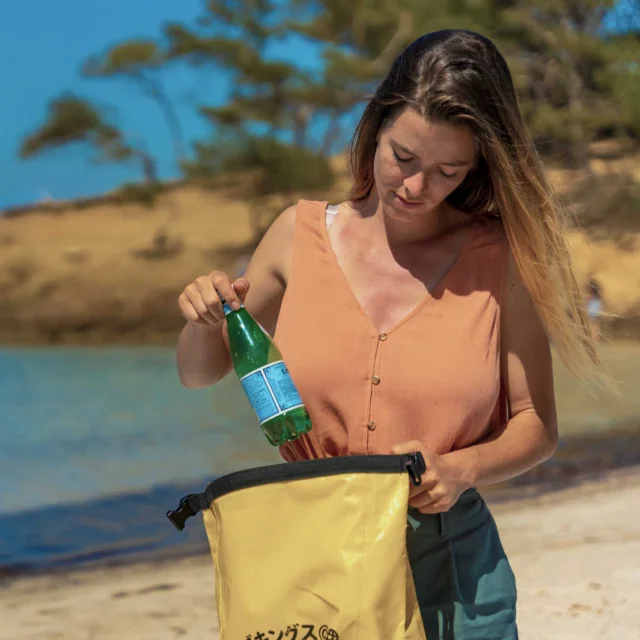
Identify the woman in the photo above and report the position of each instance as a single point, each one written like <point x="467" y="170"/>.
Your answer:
<point x="594" y="307"/>
<point x="417" y="315"/>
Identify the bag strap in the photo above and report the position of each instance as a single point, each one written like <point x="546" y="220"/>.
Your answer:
<point x="331" y="213"/>
<point x="190" y="505"/>
<point x="193" y="503"/>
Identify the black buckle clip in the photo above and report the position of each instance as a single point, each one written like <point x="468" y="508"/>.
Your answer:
<point x="416" y="467"/>
<point x="180" y="515"/>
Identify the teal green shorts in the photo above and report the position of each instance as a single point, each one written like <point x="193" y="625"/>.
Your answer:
<point x="464" y="583"/>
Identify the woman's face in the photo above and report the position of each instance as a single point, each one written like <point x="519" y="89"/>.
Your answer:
<point x="418" y="163"/>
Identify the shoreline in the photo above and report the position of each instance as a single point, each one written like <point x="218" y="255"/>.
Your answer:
<point x="91" y="337"/>
<point x="575" y="553"/>
<point x="550" y="480"/>
<point x="110" y="336"/>
<point x="121" y="518"/>
<point x="163" y="331"/>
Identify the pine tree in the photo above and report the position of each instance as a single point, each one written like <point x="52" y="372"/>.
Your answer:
<point x="74" y="120"/>
<point x="142" y="62"/>
<point x="567" y="66"/>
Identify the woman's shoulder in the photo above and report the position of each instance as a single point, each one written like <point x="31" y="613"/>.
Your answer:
<point x="490" y="234"/>
<point x="278" y="239"/>
<point x="303" y="206"/>
<point x="284" y="223"/>
<point x="304" y="210"/>
<point x="310" y="207"/>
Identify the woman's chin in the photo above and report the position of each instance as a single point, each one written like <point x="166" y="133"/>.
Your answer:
<point x="404" y="212"/>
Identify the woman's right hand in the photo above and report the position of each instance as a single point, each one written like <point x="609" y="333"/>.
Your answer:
<point x="200" y="301"/>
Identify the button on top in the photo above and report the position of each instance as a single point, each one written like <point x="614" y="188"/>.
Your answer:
<point x="382" y="336"/>
<point x="375" y="379"/>
<point x="371" y="426"/>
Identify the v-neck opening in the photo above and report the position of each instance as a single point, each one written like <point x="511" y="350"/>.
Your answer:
<point x="428" y="295"/>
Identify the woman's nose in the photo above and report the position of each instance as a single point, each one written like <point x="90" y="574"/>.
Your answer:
<point x="415" y="185"/>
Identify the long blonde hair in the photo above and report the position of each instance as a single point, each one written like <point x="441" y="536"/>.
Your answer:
<point x="460" y="76"/>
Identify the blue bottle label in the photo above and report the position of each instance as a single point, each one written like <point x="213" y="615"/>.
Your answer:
<point x="271" y="391"/>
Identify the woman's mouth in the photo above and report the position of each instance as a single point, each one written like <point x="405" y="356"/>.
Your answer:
<point x="407" y="204"/>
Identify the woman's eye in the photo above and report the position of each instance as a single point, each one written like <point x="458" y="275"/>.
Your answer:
<point x="400" y="158"/>
<point x="449" y="176"/>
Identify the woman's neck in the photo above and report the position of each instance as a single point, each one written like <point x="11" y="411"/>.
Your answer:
<point x="425" y="228"/>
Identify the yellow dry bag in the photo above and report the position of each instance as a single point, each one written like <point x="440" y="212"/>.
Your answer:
<point x="312" y="550"/>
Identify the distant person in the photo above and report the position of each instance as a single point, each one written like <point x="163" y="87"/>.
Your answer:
<point x="418" y="314"/>
<point x="595" y="305"/>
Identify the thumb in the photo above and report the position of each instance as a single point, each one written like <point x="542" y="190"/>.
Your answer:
<point x="410" y="446"/>
<point x="241" y="287"/>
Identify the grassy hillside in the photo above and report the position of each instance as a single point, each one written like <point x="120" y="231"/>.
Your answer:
<point x="107" y="271"/>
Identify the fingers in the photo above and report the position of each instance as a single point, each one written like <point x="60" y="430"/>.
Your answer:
<point x="437" y="503"/>
<point x="205" y="314"/>
<point x="436" y="499"/>
<point x="428" y="491"/>
<point x="436" y="492"/>
<point x="430" y="477"/>
<point x="200" y="302"/>
<point x="188" y="310"/>
<point x="412" y="446"/>
<point x="407" y="447"/>
<point x="210" y="298"/>
<point x="427" y="502"/>
<point x="434" y="508"/>
<point x="224" y="288"/>
<point x="421" y="500"/>
<point x="241" y="287"/>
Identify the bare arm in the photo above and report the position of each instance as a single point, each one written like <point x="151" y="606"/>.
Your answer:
<point x="203" y="356"/>
<point x="531" y="434"/>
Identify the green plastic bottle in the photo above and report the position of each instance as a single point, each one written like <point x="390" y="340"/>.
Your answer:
<point x="266" y="381"/>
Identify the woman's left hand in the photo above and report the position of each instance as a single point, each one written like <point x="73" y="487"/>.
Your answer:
<point x="442" y="483"/>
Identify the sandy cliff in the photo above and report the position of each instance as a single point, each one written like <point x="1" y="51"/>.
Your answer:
<point x="93" y="273"/>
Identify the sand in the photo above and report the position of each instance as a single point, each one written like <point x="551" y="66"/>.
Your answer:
<point x="576" y="555"/>
<point x="92" y="274"/>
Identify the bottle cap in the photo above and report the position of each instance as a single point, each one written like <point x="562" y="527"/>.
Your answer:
<point x="225" y="306"/>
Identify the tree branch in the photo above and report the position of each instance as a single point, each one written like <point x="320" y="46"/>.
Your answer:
<point x="396" y="43"/>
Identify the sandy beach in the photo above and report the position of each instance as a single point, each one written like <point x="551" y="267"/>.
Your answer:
<point x="576" y="554"/>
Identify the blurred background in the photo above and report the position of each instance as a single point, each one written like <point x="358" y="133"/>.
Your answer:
<point x="143" y="144"/>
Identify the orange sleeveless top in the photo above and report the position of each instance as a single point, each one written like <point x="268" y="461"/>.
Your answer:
<point x="434" y="377"/>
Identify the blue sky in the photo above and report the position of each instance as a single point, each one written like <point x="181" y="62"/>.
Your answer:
<point x="42" y="45"/>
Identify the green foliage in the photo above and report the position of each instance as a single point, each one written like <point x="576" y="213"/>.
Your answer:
<point x="281" y="122"/>
<point x="608" y="206"/>
<point x="276" y="97"/>
<point x="131" y="57"/>
<point x="211" y="158"/>
<point x="144" y="194"/>
<point x="268" y="166"/>
<point x="282" y="168"/>
<point x="565" y="67"/>
<point x="623" y="79"/>
<point x="140" y="61"/>
<point x="71" y="119"/>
